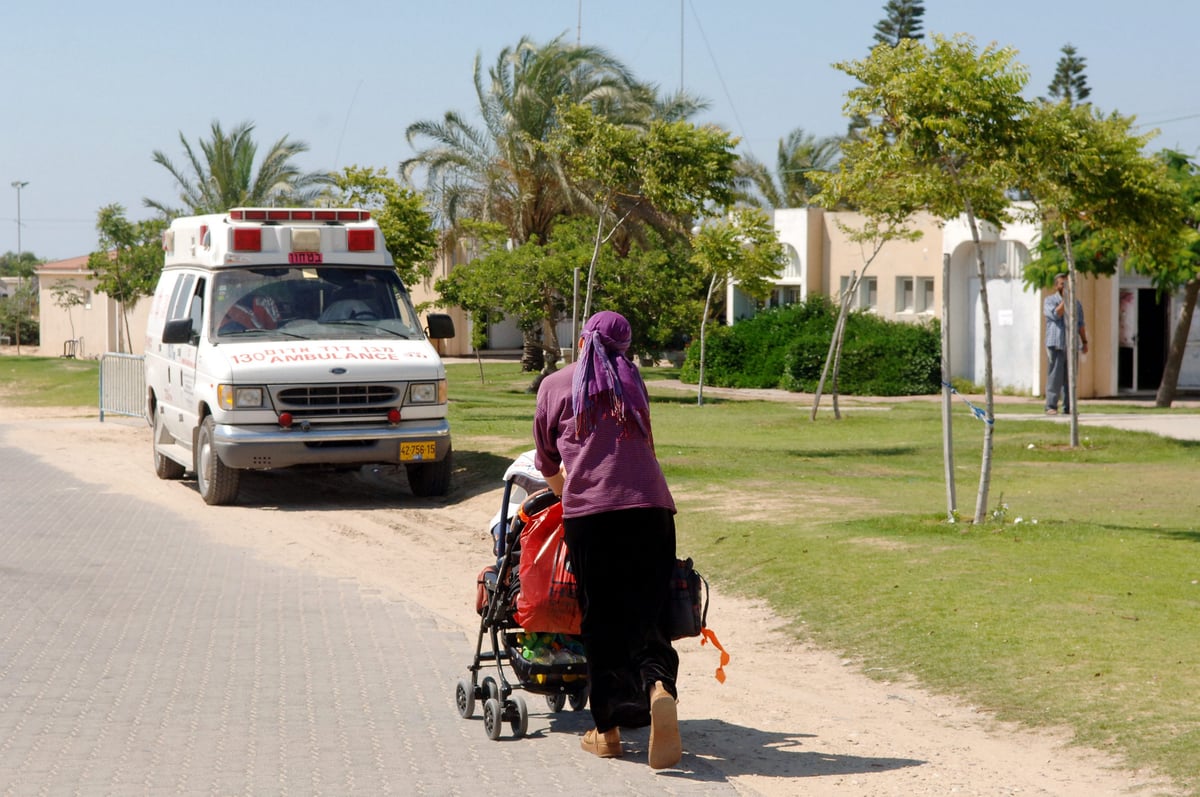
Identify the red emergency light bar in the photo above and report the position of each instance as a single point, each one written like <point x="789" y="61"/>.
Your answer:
<point x="247" y="239"/>
<point x="360" y="240"/>
<point x="298" y="214"/>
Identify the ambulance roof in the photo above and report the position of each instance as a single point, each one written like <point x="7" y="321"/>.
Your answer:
<point x="274" y="236"/>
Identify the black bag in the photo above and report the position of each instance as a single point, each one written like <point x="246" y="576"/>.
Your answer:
<point x="687" y="606"/>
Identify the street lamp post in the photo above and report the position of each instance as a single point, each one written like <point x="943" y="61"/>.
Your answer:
<point x="19" y="184"/>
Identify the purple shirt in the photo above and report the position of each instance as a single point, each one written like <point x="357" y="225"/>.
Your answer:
<point x="605" y="470"/>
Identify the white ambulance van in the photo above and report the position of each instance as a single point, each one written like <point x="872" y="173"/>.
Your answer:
<point x="283" y="337"/>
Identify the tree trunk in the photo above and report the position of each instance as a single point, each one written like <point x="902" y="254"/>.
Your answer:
<point x="985" y="468"/>
<point x="550" y="348"/>
<point x="531" y="352"/>
<point x="1071" y="322"/>
<point x="835" y="344"/>
<point x="703" y="325"/>
<point x="1179" y="337"/>
<point x="947" y="417"/>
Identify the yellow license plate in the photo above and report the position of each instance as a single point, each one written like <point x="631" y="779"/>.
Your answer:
<point x="413" y="452"/>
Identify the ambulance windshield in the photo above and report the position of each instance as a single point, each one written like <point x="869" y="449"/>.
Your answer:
<point x="312" y="302"/>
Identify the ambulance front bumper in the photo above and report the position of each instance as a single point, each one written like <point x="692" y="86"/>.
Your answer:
<point x="265" y="447"/>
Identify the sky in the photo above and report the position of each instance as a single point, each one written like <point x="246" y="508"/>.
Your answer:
<point x="90" y="90"/>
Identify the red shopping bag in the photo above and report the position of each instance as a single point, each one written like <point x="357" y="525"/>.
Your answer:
<point x="547" y="599"/>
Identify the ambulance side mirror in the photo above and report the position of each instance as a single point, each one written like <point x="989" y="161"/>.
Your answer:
<point x="439" y="325"/>
<point x="178" y="331"/>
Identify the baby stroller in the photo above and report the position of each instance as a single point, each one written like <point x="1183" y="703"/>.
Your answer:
<point x="549" y="664"/>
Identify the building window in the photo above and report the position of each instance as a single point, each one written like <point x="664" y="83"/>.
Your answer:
<point x="904" y="295"/>
<point x="925" y="300"/>
<point x="792" y="296"/>
<point x="868" y="293"/>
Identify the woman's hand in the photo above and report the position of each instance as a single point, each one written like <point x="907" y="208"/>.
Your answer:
<point x="556" y="482"/>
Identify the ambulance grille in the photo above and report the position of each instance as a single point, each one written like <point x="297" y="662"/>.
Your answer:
<point x="333" y="400"/>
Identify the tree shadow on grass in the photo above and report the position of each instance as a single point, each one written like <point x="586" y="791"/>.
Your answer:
<point x="834" y="453"/>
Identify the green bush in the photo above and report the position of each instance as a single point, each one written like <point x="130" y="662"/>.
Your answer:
<point x="786" y="347"/>
<point x="751" y="353"/>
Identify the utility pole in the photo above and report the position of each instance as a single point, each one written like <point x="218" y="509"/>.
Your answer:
<point x="19" y="184"/>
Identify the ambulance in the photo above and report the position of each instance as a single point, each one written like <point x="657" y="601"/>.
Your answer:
<point x="283" y="338"/>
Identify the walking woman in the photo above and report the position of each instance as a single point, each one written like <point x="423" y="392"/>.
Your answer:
<point x="596" y="450"/>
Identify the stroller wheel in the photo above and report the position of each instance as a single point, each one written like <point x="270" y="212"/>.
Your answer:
<point x="490" y="688"/>
<point x="464" y="698"/>
<point x="519" y="723"/>
<point x="492" y="718"/>
<point x="579" y="700"/>
<point x="556" y="701"/>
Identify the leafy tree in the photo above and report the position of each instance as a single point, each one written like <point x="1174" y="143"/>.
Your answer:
<point x="407" y="227"/>
<point x="68" y="295"/>
<point x="222" y="175"/>
<point x="129" y="259"/>
<point x="1070" y="82"/>
<point x="1177" y="265"/>
<point x="22" y="305"/>
<point x="23" y="266"/>
<point x="903" y="21"/>
<point x="666" y="175"/>
<point x="1086" y="170"/>
<point x="741" y="245"/>
<point x="531" y="284"/>
<point x="793" y="184"/>
<point x="501" y="172"/>
<point x="944" y="125"/>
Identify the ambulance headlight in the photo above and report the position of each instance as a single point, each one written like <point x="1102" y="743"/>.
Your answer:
<point x="233" y="397"/>
<point x="427" y="392"/>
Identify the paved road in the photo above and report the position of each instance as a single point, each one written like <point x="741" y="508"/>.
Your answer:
<point x="137" y="656"/>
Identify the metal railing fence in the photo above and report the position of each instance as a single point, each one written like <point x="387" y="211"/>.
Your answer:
<point x="122" y="385"/>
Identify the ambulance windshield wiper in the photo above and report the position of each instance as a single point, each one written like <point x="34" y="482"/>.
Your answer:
<point x="253" y="331"/>
<point x="368" y="325"/>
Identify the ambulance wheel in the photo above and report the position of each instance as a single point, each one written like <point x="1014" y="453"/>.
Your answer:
<point x="216" y="481"/>
<point x="430" y="478"/>
<point x="519" y="723"/>
<point x="579" y="700"/>
<point x="164" y="466"/>
<point x="464" y="698"/>
<point x="556" y="701"/>
<point x="491" y="718"/>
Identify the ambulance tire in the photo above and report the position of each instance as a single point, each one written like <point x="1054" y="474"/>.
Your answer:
<point x="430" y="479"/>
<point x="164" y="467"/>
<point x="216" y="481"/>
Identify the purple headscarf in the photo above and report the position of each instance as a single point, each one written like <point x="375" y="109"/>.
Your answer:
<point x="605" y="381"/>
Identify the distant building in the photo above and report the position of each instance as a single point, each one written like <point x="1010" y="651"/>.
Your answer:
<point x="93" y="328"/>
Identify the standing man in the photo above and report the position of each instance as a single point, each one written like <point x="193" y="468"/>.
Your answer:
<point x="1057" y="350"/>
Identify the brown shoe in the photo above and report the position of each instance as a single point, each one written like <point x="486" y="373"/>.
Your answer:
<point x="665" y="747"/>
<point x="605" y="745"/>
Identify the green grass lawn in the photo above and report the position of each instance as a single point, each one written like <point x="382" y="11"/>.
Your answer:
<point x="1076" y="604"/>
<point x="49" y="382"/>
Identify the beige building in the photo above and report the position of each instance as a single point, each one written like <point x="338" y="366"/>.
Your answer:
<point x="92" y="328"/>
<point x="904" y="282"/>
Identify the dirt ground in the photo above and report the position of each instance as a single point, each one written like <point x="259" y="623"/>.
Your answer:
<point x="798" y="720"/>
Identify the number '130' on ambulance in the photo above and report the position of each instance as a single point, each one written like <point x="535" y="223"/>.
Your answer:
<point x="283" y="337"/>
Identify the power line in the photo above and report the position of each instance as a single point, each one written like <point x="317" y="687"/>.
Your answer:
<point x="720" y="77"/>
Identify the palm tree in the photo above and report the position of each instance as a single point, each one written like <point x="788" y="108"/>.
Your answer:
<point x="225" y="177"/>
<point x="791" y="186"/>
<point x="502" y="171"/>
